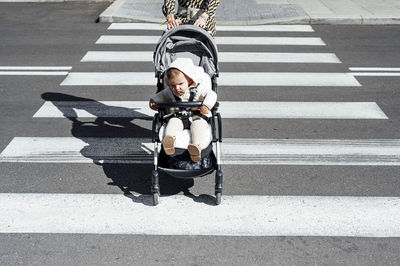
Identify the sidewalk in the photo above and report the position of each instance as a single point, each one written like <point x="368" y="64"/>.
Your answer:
<point x="253" y="12"/>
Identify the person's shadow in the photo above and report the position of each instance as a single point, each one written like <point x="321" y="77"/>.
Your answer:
<point x="110" y="139"/>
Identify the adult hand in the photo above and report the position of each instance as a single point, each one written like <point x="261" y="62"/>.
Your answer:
<point x="152" y="105"/>
<point x="172" y="22"/>
<point x="201" y="21"/>
<point x="204" y="110"/>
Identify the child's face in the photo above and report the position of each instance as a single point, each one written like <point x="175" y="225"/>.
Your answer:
<point x="178" y="84"/>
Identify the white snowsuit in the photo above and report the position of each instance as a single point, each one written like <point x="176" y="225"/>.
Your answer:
<point x="199" y="127"/>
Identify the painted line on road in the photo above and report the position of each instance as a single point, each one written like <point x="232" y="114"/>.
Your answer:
<point x="385" y="152"/>
<point x="375" y="69"/>
<point x="131" y="56"/>
<point x="258" y="28"/>
<point x="183" y="215"/>
<point x="117" y="56"/>
<point x="143" y="39"/>
<point x="74" y="150"/>
<point x="35" y="67"/>
<point x="226" y="79"/>
<point x="33" y="73"/>
<point x="376" y="74"/>
<point x="274" y="110"/>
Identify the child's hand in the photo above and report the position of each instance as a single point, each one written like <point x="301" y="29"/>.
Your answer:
<point x="152" y="105"/>
<point x="204" y="110"/>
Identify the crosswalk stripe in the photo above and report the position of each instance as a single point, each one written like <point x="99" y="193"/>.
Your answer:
<point x="117" y="56"/>
<point x="234" y="151"/>
<point x="395" y="69"/>
<point x="312" y="151"/>
<point x="259" y="28"/>
<point x="72" y="150"/>
<point x="142" y="39"/>
<point x="376" y="74"/>
<point x="35" y="67"/>
<point x="33" y="73"/>
<point x="181" y="215"/>
<point x="225" y="79"/>
<point x="291" y="110"/>
<point x="131" y="56"/>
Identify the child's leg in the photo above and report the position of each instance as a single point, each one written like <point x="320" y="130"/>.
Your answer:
<point x="200" y="138"/>
<point x="200" y="132"/>
<point x="174" y="125"/>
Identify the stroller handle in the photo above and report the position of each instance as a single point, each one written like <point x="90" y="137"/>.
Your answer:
<point x="191" y="23"/>
<point x="178" y="105"/>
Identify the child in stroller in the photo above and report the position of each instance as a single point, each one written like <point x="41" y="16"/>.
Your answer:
<point x="186" y="68"/>
<point x="187" y="82"/>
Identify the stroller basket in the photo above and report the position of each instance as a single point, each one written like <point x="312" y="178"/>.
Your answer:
<point x="190" y="174"/>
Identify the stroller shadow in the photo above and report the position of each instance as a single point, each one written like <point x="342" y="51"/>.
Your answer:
<point x="129" y="178"/>
<point x="202" y="198"/>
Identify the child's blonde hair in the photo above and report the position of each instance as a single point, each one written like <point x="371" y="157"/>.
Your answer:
<point x="171" y="73"/>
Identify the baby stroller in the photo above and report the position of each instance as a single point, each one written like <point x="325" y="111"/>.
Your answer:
<point x="186" y="41"/>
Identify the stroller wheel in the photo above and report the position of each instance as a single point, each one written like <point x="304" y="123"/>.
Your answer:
<point x="156" y="197"/>
<point x="218" y="196"/>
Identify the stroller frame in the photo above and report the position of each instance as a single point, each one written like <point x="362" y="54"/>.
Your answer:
<point x="158" y="121"/>
<point x="201" y="44"/>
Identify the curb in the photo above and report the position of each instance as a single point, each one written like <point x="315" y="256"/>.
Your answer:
<point x="108" y="16"/>
<point x="305" y="20"/>
<point x="108" y="13"/>
<point x="111" y="15"/>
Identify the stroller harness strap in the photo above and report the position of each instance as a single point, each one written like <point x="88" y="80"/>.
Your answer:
<point x="193" y="91"/>
<point x="186" y="119"/>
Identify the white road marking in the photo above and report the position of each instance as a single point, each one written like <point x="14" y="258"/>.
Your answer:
<point x="394" y="69"/>
<point x="35" y="67"/>
<point x="117" y="56"/>
<point x="312" y="151"/>
<point x="110" y="79"/>
<point x="290" y="110"/>
<point x="143" y="39"/>
<point x="59" y="109"/>
<point x="278" y="57"/>
<point x="297" y="79"/>
<point x="32" y="73"/>
<point x="376" y="74"/>
<point x="277" y="28"/>
<point x="234" y="151"/>
<point x="182" y="215"/>
<point x="127" y="39"/>
<point x="74" y="150"/>
<point x="302" y="110"/>
<point x="130" y="56"/>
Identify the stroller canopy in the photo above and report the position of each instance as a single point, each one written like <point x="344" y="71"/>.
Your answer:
<point x="186" y="41"/>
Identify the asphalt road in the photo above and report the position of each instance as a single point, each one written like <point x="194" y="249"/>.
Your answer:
<point x="61" y="34"/>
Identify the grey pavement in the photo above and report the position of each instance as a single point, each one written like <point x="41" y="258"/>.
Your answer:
<point x="254" y="12"/>
<point x="59" y="34"/>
